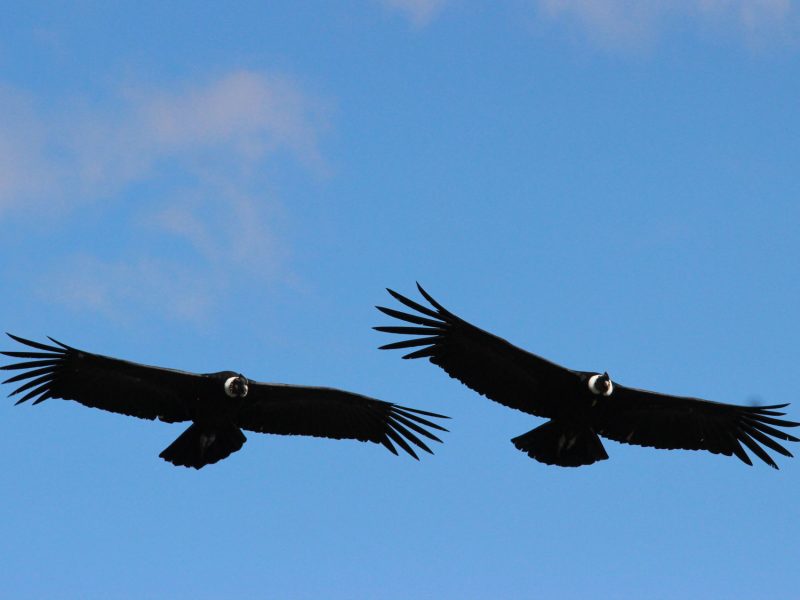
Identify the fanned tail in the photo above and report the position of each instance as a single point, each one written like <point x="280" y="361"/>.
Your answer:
<point x="562" y="444"/>
<point x="199" y="446"/>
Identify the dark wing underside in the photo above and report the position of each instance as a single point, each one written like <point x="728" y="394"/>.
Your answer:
<point x="484" y="362"/>
<point x="647" y="418"/>
<point x="119" y="386"/>
<point x="331" y="413"/>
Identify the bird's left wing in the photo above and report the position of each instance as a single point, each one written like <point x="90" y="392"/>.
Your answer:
<point x="120" y="386"/>
<point x="480" y="360"/>
<point x="331" y="413"/>
<point x="645" y="418"/>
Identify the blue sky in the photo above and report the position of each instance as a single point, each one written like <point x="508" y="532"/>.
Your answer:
<point x="611" y="184"/>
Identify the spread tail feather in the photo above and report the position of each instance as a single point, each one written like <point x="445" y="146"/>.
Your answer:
<point x="562" y="444"/>
<point x="199" y="446"/>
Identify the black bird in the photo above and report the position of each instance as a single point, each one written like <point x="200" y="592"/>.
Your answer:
<point x="219" y="405"/>
<point x="580" y="404"/>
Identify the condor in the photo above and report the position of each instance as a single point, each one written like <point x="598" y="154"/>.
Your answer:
<point x="219" y="405"/>
<point x="581" y="405"/>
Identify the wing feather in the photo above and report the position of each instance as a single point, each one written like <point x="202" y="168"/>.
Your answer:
<point x="327" y="412"/>
<point x="483" y="362"/>
<point x="645" y="418"/>
<point x="97" y="381"/>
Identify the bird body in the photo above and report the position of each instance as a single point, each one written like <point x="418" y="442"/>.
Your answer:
<point x="581" y="405"/>
<point x="219" y="405"/>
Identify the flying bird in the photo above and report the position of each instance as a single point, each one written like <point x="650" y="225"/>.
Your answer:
<point x="219" y="405"/>
<point x="580" y="405"/>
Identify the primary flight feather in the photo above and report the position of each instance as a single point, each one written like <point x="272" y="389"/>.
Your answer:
<point x="219" y="405"/>
<point x="581" y="405"/>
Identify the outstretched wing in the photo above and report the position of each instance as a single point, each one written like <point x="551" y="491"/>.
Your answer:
<point x="484" y="362"/>
<point x="331" y="413"/>
<point x="658" y="420"/>
<point x="119" y="386"/>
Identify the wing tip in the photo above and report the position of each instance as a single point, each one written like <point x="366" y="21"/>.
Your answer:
<point x="17" y="338"/>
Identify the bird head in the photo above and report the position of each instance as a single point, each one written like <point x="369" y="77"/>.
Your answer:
<point x="601" y="384"/>
<point x="236" y="386"/>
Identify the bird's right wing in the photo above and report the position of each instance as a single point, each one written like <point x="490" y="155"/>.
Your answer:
<point x="119" y="386"/>
<point x="645" y="418"/>
<point x="287" y="409"/>
<point x="483" y="362"/>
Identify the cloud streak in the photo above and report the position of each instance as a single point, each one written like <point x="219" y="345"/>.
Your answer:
<point x="630" y="22"/>
<point x="419" y="12"/>
<point x="244" y="111"/>
<point x="195" y="154"/>
<point x="120" y="289"/>
<point x="95" y="150"/>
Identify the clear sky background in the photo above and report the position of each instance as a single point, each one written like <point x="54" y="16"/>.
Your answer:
<point x="206" y="186"/>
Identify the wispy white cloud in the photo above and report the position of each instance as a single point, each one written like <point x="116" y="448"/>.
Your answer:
<point x="84" y="150"/>
<point x="214" y="246"/>
<point x="758" y="20"/>
<point x="419" y="12"/>
<point x="119" y="289"/>
<point x="632" y="22"/>
<point x="236" y="234"/>
<point x="248" y="112"/>
<point x="27" y="171"/>
<point x="204" y="147"/>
